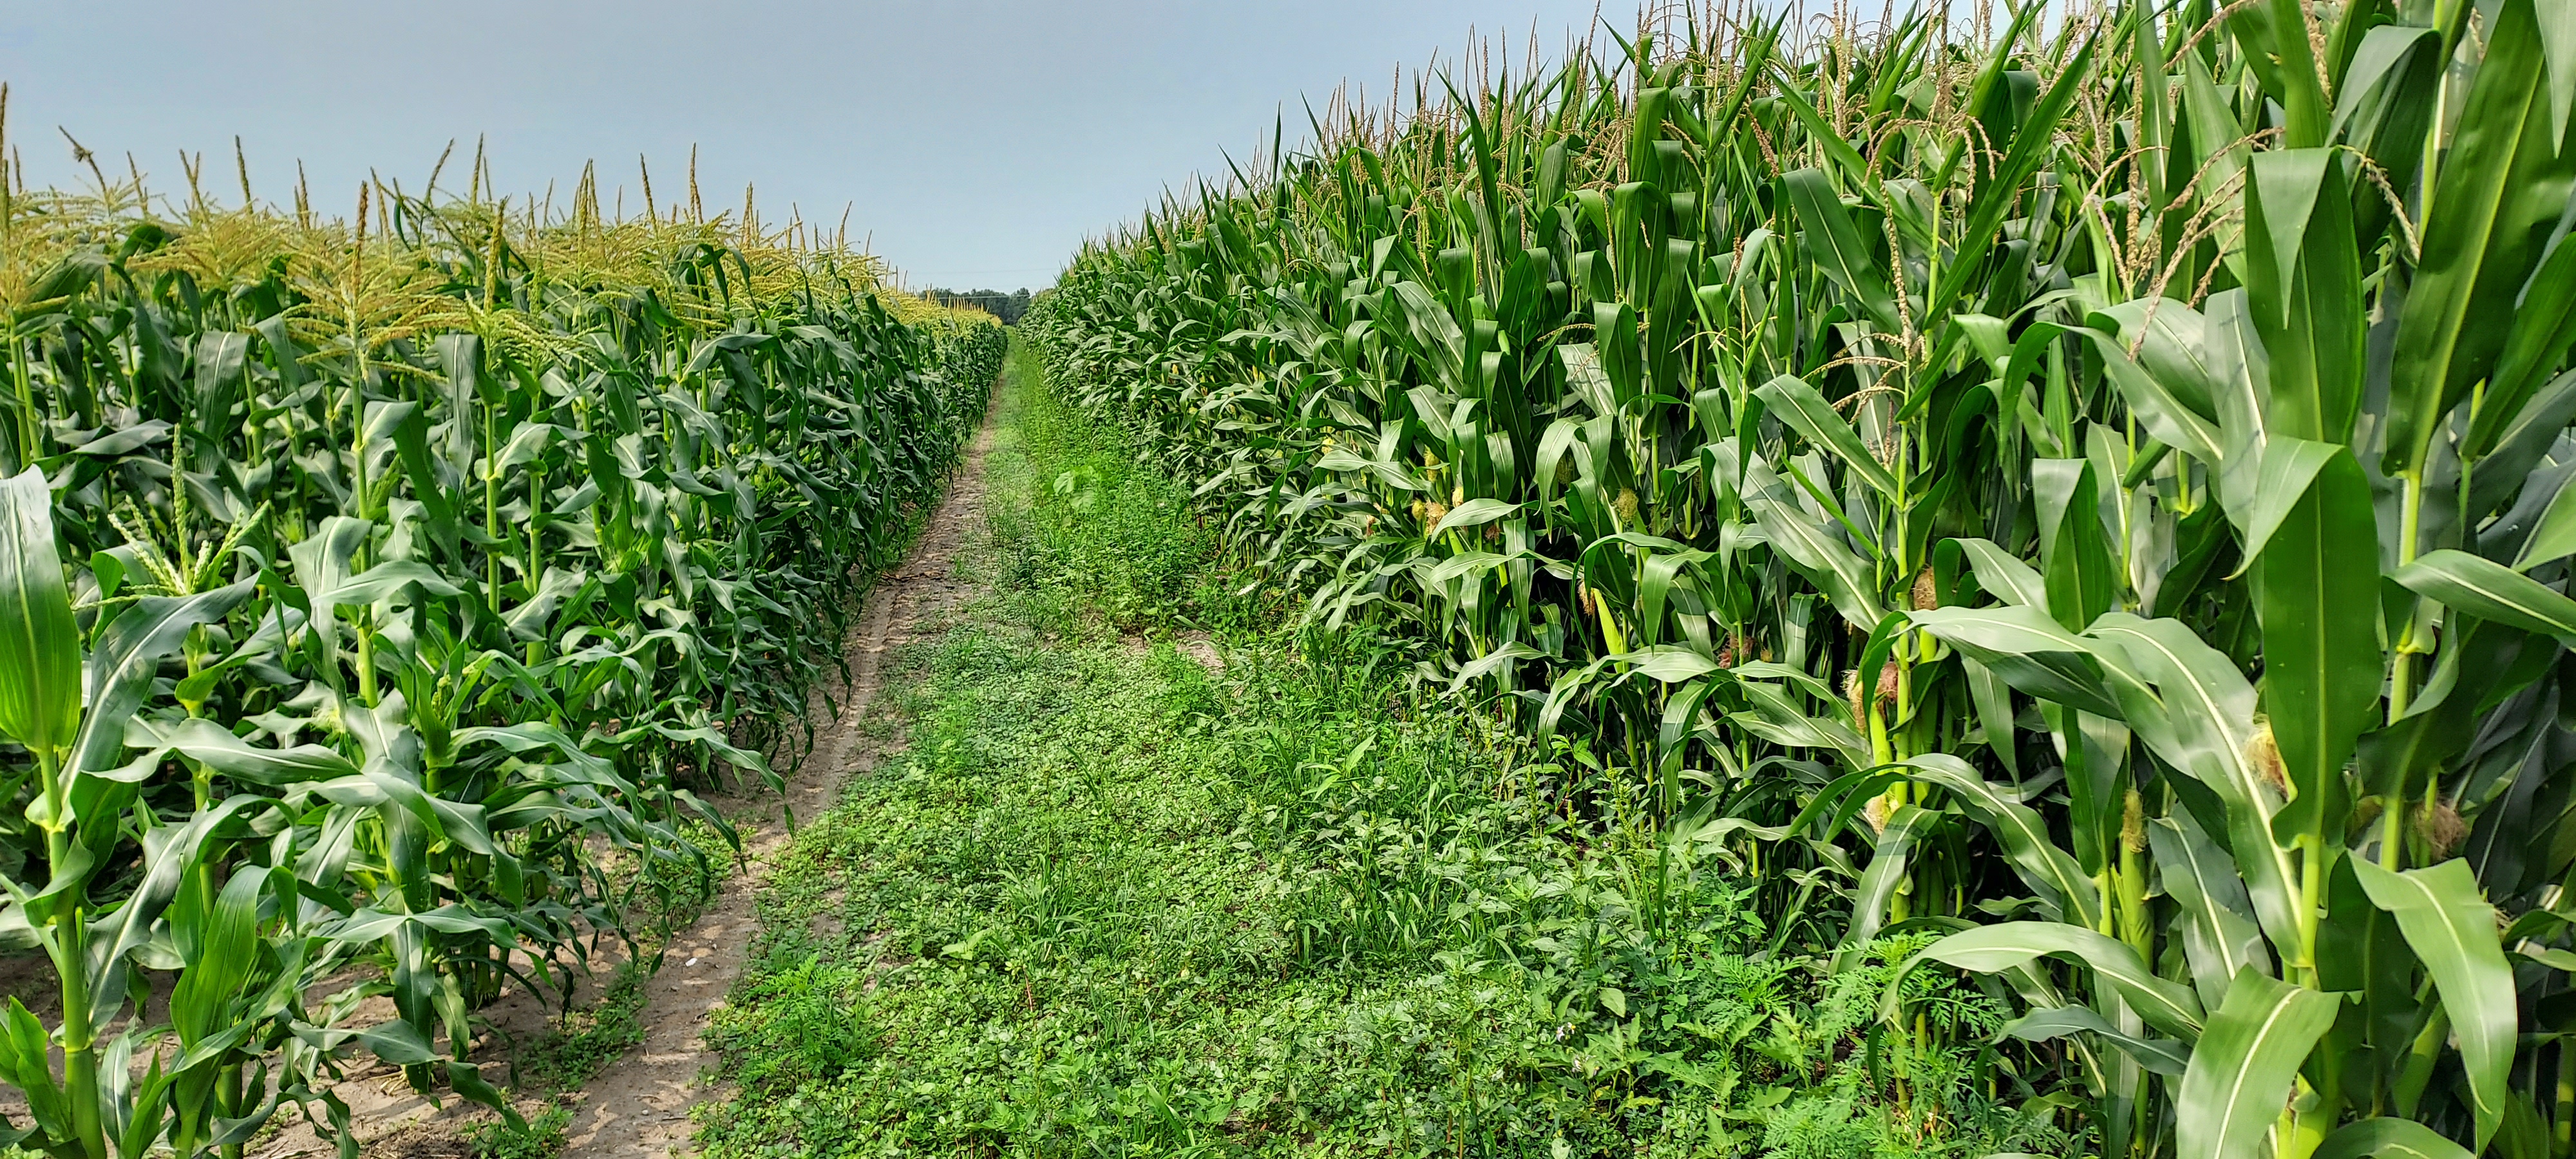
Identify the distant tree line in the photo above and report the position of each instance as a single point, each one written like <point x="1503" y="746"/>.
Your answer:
<point x="1006" y="306"/>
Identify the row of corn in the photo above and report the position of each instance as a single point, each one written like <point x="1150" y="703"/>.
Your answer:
<point x="2083" y="487"/>
<point x="375" y="595"/>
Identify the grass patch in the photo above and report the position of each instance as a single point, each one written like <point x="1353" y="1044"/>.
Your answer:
<point x="1113" y="901"/>
<point x="1086" y="537"/>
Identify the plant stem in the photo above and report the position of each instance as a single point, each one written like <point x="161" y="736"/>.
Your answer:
<point x="2392" y="830"/>
<point x="2410" y="520"/>
<point x="2312" y="884"/>
<point x="29" y="448"/>
<point x="492" y="516"/>
<point x="228" y="1099"/>
<point x="70" y="947"/>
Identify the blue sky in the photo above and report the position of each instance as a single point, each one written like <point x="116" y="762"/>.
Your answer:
<point x="974" y="143"/>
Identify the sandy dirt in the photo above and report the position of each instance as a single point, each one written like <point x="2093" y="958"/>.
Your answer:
<point x="639" y="1105"/>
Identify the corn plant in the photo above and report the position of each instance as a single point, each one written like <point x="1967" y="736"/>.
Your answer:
<point x="378" y="593"/>
<point x="2098" y="493"/>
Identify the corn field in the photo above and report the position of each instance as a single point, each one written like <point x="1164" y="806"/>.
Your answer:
<point x="376" y="594"/>
<point x="2087" y="487"/>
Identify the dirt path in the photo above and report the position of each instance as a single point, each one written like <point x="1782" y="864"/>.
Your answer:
<point x="639" y="1105"/>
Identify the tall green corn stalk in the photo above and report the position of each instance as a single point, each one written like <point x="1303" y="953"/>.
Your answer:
<point x="2099" y="494"/>
<point x="376" y="594"/>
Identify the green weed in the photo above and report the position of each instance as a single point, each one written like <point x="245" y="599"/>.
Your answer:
<point x="541" y="1138"/>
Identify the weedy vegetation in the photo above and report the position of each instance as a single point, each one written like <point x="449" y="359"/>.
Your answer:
<point x="376" y="595"/>
<point x="2072" y="500"/>
<point x="541" y="1137"/>
<point x="1115" y="900"/>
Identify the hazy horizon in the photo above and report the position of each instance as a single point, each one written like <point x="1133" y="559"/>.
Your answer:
<point x="972" y="145"/>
